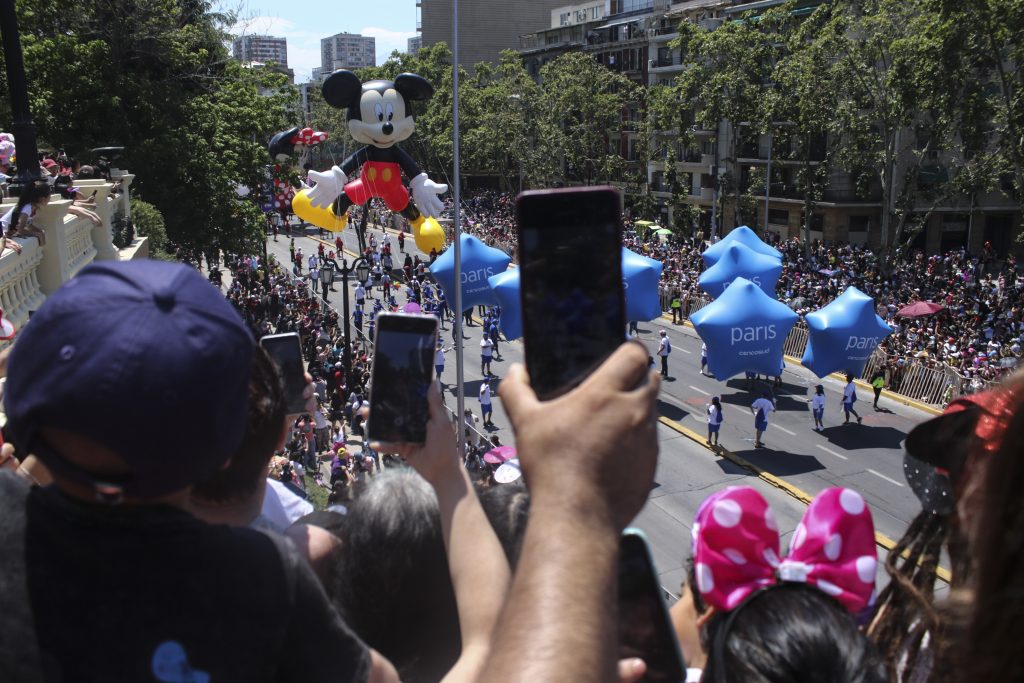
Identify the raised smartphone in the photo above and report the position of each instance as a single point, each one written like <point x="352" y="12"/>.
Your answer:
<point x="570" y="260"/>
<point x="645" y="630"/>
<point x="403" y="357"/>
<point x="286" y="352"/>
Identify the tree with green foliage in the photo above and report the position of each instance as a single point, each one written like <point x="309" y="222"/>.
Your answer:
<point x="583" y="101"/>
<point x="149" y="223"/>
<point x="726" y="80"/>
<point x="155" y="77"/>
<point x="505" y="131"/>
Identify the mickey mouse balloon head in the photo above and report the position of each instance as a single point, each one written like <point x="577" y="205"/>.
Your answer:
<point x="380" y="116"/>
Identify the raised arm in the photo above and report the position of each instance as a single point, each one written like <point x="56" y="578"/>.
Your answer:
<point x="560" y="620"/>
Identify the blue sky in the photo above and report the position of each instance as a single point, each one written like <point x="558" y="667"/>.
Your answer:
<point x="304" y="23"/>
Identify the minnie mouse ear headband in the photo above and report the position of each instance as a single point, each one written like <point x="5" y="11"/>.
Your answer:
<point x="736" y="548"/>
<point x="940" y="452"/>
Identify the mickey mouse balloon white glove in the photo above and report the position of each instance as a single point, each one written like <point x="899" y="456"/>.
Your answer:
<point x="424" y="193"/>
<point x="329" y="185"/>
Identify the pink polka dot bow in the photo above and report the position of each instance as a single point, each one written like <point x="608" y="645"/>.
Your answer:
<point x="736" y="547"/>
<point x="308" y="137"/>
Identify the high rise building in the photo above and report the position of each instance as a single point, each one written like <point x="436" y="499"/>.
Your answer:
<point x="413" y="45"/>
<point x="262" y="49"/>
<point x="347" y="51"/>
<point x="485" y="28"/>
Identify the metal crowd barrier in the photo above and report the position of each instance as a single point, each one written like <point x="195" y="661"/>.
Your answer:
<point x="932" y="384"/>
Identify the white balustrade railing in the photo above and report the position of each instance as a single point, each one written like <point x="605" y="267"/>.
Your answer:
<point x="72" y="242"/>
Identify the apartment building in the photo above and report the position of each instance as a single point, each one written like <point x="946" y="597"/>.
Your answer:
<point x="262" y="49"/>
<point x="485" y="28"/>
<point x="347" y="51"/>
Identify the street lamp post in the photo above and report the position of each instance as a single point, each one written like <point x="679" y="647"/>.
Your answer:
<point x="22" y="127"/>
<point x="361" y="267"/>
<point x="326" y="278"/>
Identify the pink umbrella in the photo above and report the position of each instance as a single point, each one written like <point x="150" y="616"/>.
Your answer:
<point x="412" y="307"/>
<point x="919" y="309"/>
<point x="498" y="455"/>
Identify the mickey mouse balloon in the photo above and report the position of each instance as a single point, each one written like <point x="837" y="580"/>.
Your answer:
<point x="843" y="334"/>
<point x="744" y="330"/>
<point x="379" y="115"/>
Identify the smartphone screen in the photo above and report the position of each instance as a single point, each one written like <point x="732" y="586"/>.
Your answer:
<point x="286" y="352"/>
<point x="403" y="358"/>
<point x="570" y="259"/>
<point x="645" y="630"/>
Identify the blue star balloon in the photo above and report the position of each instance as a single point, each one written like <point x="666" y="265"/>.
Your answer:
<point x="739" y="260"/>
<point x="640" y="276"/>
<point x="506" y="290"/>
<point x="843" y="334"/>
<point x="744" y="236"/>
<point x="479" y="262"/>
<point x="744" y="330"/>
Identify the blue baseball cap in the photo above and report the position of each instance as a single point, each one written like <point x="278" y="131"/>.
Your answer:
<point x="146" y="359"/>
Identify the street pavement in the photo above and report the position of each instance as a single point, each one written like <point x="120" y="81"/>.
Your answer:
<point x="866" y="457"/>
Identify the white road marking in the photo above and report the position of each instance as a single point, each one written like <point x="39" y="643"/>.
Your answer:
<point x="783" y="429"/>
<point x="882" y="476"/>
<point x="831" y="452"/>
<point x="698" y="389"/>
<point x="681" y="349"/>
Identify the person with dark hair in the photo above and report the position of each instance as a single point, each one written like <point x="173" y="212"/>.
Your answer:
<point x="992" y="606"/>
<point x="508" y="507"/>
<point x="17" y="222"/>
<point x="818" y="408"/>
<point x="877" y="384"/>
<point x="849" y="398"/>
<point x="769" y="620"/>
<point x="946" y="462"/>
<point x="715" y="419"/>
<point x="760" y="409"/>
<point x="241" y="494"/>
<point x="107" y="576"/>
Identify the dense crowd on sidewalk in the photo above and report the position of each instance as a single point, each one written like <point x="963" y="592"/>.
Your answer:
<point x="980" y="333"/>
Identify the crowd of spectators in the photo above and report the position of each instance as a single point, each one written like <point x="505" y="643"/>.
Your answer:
<point x="275" y="300"/>
<point x="979" y="333"/>
<point x="418" y="575"/>
<point x="58" y="174"/>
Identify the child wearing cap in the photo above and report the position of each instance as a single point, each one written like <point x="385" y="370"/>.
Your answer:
<point x="119" y="574"/>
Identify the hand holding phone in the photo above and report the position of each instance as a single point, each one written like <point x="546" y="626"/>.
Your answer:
<point x="286" y="352"/>
<point x="570" y="259"/>
<point x="645" y="630"/>
<point x="403" y="357"/>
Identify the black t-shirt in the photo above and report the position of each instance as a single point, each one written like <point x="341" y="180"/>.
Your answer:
<point x="153" y="594"/>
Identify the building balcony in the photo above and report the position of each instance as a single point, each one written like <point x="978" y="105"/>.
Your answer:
<point x="72" y="242"/>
